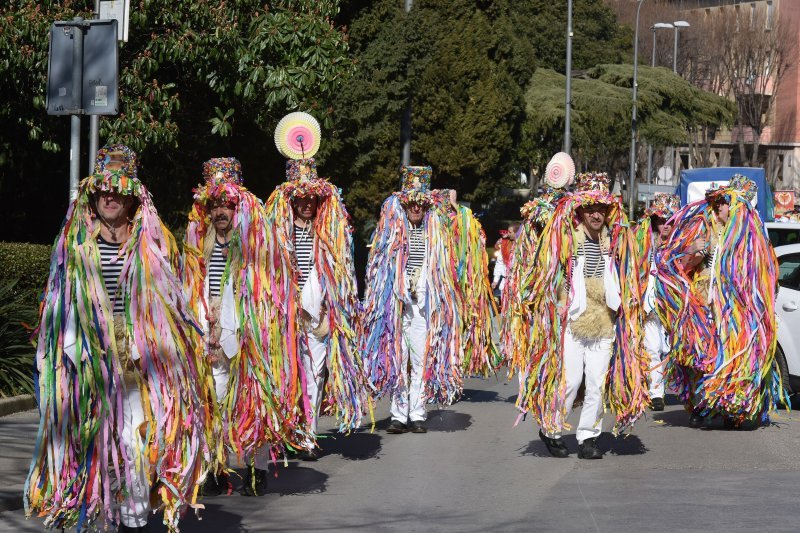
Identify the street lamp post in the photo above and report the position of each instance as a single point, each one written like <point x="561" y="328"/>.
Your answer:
<point x="677" y="24"/>
<point x="654" y="27"/>
<point x="568" y="107"/>
<point x="405" y="123"/>
<point x="632" y="173"/>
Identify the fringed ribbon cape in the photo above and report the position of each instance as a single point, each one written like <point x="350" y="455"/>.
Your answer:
<point x="722" y="320"/>
<point x="542" y="380"/>
<point x="381" y="331"/>
<point x="252" y="411"/>
<point x="480" y="354"/>
<point x="78" y="455"/>
<point x="345" y="395"/>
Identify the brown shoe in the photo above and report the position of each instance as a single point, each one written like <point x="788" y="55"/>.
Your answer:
<point x="396" y="427"/>
<point x="418" y="426"/>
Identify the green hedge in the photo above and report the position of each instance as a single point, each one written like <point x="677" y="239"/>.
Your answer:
<point x="28" y="264"/>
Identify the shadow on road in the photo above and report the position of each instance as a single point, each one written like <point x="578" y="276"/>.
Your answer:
<point x="447" y="420"/>
<point x="296" y="479"/>
<point x="356" y="446"/>
<point x="479" y="396"/>
<point x="213" y="518"/>
<point x="630" y="445"/>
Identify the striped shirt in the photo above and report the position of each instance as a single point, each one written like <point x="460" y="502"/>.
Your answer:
<point x="593" y="264"/>
<point x="304" y="252"/>
<point x="416" y="249"/>
<point x="216" y="267"/>
<point x="111" y="267"/>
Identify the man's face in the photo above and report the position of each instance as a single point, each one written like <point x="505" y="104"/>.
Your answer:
<point x="113" y="207"/>
<point x="222" y="216"/>
<point x="722" y="209"/>
<point x="415" y="213"/>
<point x="512" y="232"/>
<point x="593" y="216"/>
<point x="305" y="208"/>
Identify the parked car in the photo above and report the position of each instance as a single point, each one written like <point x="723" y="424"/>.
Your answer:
<point x="787" y="306"/>
<point x="783" y="233"/>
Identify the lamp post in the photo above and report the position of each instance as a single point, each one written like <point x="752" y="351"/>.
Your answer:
<point x="405" y="123"/>
<point x="654" y="27"/>
<point x="568" y="107"/>
<point x="677" y="25"/>
<point x="632" y="173"/>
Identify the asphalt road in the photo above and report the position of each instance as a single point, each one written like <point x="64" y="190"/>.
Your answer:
<point x="475" y="471"/>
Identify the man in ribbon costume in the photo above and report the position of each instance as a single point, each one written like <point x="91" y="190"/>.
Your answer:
<point x="225" y="275"/>
<point x="411" y="306"/>
<point x="716" y="286"/>
<point x="313" y="292"/>
<point x="468" y="242"/>
<point x="516" y="314"/>
<point x="651" y="233"/>
<point x="504" y="253"/>
<point x="586" y="313"/>
<point x="121" y="392"/>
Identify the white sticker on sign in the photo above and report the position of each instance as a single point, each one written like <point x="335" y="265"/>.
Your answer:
<point x="101" y="95"/>
<point x="62" y="91"/>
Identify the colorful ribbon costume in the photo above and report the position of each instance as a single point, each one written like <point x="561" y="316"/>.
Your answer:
<point x="336" y="296"/>
<point x="721" y="316"/>
<point x="468" y="241"/>
<point x="542" y="380"/>
<point x="82" y="357"/>
<point x="388" y="290"/>
<point x="252" y="408"/>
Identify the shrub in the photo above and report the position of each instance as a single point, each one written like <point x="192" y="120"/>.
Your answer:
<point x="16" y="351"/>
<point x="26" y="264"/>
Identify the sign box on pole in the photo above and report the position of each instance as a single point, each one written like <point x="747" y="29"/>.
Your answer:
<point x="118" y="10"/>
<point x="100" y="87"/>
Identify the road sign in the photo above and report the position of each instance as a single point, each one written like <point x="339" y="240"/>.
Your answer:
<point x="118" y="10"/>
<point x="92" y="88"/>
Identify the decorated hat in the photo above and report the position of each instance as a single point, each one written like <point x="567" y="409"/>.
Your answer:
<point x="120" y="154"/>
<point x="663" y="206"/>
<point x="223" y="181"/>
<point x="592" y="188"/>
<point x="540" y="209"/>
<point x="416" y="185"/>
<point x="560" y="171"/>
<point x="738" y="185"/>
<point x="298" y="137"/>
<point x="122" y="180"/>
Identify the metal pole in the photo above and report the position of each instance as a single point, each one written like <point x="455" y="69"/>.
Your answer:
<point x="75" y="118"/>
<point x="673" y="151"/>
<point x="94" y="120"/>
<point x="650" y="145"/>
<point x="568" y="106"/>
<point x="405" y="124"/>
<point x="632" y="173"/>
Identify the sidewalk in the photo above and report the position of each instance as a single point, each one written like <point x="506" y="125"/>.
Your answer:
<point x="17" y="439"/>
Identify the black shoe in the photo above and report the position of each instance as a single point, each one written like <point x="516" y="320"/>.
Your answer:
<point x="255" y="482"/>
<point x="658" y="404"/>
<point x="418" y="426"/>
<point x="556" y="447"/>
<point x="310" y="455"/>
<point x="214" y="486"/>
<point x="588" y="449"/>
<point x="396" y="427"/>
<point x="696" y="420"/>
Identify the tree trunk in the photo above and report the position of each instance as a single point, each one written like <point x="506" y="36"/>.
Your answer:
<point x="742" y="148"/>
<point x="756" y="144"/>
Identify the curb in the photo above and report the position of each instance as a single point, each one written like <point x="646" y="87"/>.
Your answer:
<point x="15" y="404"/>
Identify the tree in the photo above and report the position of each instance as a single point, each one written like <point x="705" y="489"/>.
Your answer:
<point x="668" y="108"/>
<point x="197" y="80"/>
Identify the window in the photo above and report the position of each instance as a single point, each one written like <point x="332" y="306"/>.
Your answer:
<point x="789" y="271"/>
<point x="783" y="236"/>
<point x="770" y="14"/>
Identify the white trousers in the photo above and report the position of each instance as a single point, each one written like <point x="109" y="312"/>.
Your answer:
<point x="589" y="358"/>
<point x="408" y="402"/>
<point x="135" y="506"/>
<point x="313" y="356"/>
<point x="654" y="346"/>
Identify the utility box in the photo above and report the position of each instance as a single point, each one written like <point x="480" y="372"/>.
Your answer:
<point x="96" y="92"/>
